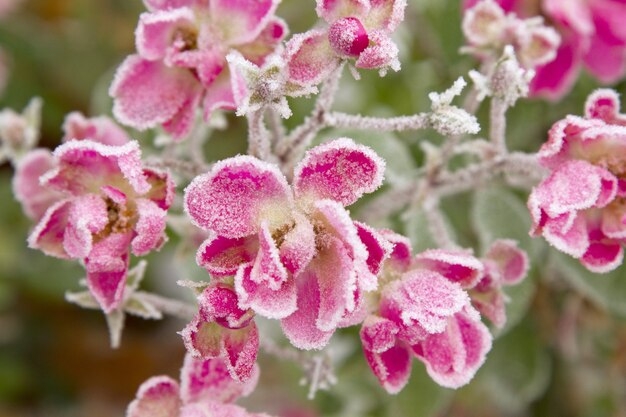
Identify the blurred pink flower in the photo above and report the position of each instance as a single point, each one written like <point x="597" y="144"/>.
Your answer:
<point x="580" y="207"/>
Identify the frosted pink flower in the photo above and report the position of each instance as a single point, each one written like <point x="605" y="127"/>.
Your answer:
<point x="358" y="29"/>
<point x="592" y="36"/>
<point x="181" y="59"/>
<point x="102" y="206"/>
<point x="99" y="129"/>
<point x="223" y="330"/>
<point x="505" y="265"/>
<point x="580" y="207"/>
<point x="423" y="312"/>
<point x="295" y="253"/>
<point x="206" y="390"/>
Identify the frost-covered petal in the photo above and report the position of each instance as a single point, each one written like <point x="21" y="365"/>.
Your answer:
<point x="606" y="62"/>
<point x="310" y="58"/>
<point x="240" y="348"/>
<point x="298" y="247"/>
<point x="87" y="216"/>
<point x="47" y="236"/>
<point x="170" y="4"/>
<point x="339" y="170"/>
<point x="484" y="23"/>
<point x="107" y="265"/>
<point x="453" y="357"/>
<point x="157" y="31"/>
<point x="99" y="129"/>
<point x="392" y="367"/>
<point x="237" y="195"/>
<point x="148" y="93"/>
<point x="210" y="408"/>
<point x="157" y="397"/>
<point x="219" y="95"/>
<point x="219" y="303"/>
<point x="209" y="379"/>
<point x="162" y="188"/>
<point x="34" y="198"/>
<point x="456" y="265"/>
<point x="604" y="104"/>
<point x="268" y="268"/>
<point x="150" y="227"/>
<point x="382" y="53"/>
<point x="273" y="304"/>
<point x="348" y="37"/>
<point x="240" y="21"/>
<point x="512" y="262"/>
<point x="603" y="257"/>
<point x="270" y="37"/>
<point x="378" y="334"/>
<point x="86" y="166"/>
<point x="332" y="10"/>
<point x="300" y="327"/>
<point x="378" y="247"/>
<point x="385" y="15"/>
<point x="203" y="339"/>
<point x="222" y="256"/>
<point x="568" y="233"/>
<point x="555" y="78"/>
<point x="401" y="252"/>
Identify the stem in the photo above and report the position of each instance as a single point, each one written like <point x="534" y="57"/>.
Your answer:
<point x="391" y="124"/>
<point x="188" y="169"/>
<point x="437" y="224"/>
<point x="497" y="124"/>
<point x="172" y="307"/>
<point x="258" y="137"/>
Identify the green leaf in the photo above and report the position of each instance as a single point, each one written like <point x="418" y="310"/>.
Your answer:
<point x="607" y="291"/>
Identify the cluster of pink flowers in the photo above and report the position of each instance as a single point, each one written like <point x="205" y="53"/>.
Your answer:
<point x="93" y="201"/>
<point x="592" y="36"/>
<point x="580" y="207"/>
<point x="205" y="390"/>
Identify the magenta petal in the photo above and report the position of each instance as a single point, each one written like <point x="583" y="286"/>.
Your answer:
<point x="240" y="350"/>
<point x="310" y="58"/>
<point x="555" y="78"/>
<point x="339" y="170"/>
<point x="219" y="95"/>
<point x="273" y="304"/>
<point x="378" y="248"/>
<point x="331" y="10"/>
<point x="86" y="166"/>
<point x="603" y="257"/>
<point x="605" y="61"/>
<point x="219" y="303"/>
<point x="381" y="53"/>
<point x="170" y="4"/>
<point x="99" y="129"/>
<point x="148" y="93"/>
<point x="87" y="216"/>
<point x="209" y="379"/>
<point x="266" y="43"/>
<point x="162" y="188"/>
<point x="378" y="334"/>
<point x="47" y="236"/>
<point x="392" y="367"/>
<point x="203" y="339"/>
<point x="35" y="198"/>
<point x="150" y="227"/>
<point x="157" y="397"/>
<point x="455" y="265"/>
<point x="511" y="261"/>
<point x="300" y="327"/>
<point x="181" y="123"/>
<point x="107" y="265"/>
<point x="267" y="268"/>
<point x="386" y="15"/>
<point x="298" y="247"/>
<point x="237" y="195"/>
<point x="222" y="256"/>
<point x="568" y="233"/>
<point x="157" y="31"/>
<point x="241" y="21"/>
<point x="604" y="104"/>
<point x="401" y="253"/>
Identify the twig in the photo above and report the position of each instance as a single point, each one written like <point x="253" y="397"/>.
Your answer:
<point x="170" y="306"/>
<point x="258" y="137"/>
<point x="391" y="124"/>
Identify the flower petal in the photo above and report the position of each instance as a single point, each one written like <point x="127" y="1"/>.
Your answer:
<point x="555" y="78"/>
<point x="99" y="129"/>
<point x="240" y="351"/>
<point x="603" y="257"/>
<point x="604" y="104"/>
<point x="381" y="53"/>
<point x="157" y="397"/>
<point x="162" y="188"/>
<point x="267" y="268"/>
<point x="148" y="93"/>
<point x="378" y="248"/>
<point x="222" y="256"/>
<point x="568" y="233"/>
<point x="35" y="198"/>
<point x="219" y="303"/>
<point x="310" y="58"/>
<point x="512" y="262"/>
<point x="273" y="304"/>
<point x="401" y="253"/>
<point x="47" y="236"/>
<point x="219" y="95"/>
<point x="392" y="367"/>
<point x="331" y="10"/>
<point x="87" y="216"/>
<point x="339" y="170"/>
<point x="385" y="15"/>
<point x="241" y="21"/>
<point x="157" y="31"/>
<point x="150" y="227"/>
<point x="378" y="334"/>
<point x="298" y="247"/>
<point x="456" y="265"/>
<point x="237" y="195"/>
<point x="267" y="41"/>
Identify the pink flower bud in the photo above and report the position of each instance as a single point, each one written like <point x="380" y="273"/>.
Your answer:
<point x="348" y="37"/>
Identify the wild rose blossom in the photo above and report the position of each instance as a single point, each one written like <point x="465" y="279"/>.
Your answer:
<point x="222" y="330"/>
<point x="422" y="311"/>
<point x="357" y="29"/>
<point x="592" y="36"/>
<point x="95" y="203"/>
<point x="180" y="63"/>
<point x="206" y="390"/>
<point x="580" y="207"/>
<point x="295" y="253"/>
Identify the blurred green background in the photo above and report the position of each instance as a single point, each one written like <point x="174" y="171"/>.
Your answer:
<point x="563" y="352"/>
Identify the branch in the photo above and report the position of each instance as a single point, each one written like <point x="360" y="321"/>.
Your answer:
<point x="171" y="307"/>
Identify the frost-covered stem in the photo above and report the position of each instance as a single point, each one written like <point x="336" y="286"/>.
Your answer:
<point x="318" y="368"/>
<point x="259" y="144"/>
<point x="497" y="124"/>
<point x="170" y="306"/>
<point x="437" y="224"/>
<point x="291" y="148"/>
<point x="196" y="143"/>
<point x="276" y="126"/>
<point x="391" y="124"/>
<point x="188" y="169"/>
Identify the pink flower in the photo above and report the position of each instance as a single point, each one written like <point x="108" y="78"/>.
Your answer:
<point x="223" y="330"/>
<point x="580" y="207"/>
<point x="424" y="312"/>
<point x="295" y="253"/>
<point x="101" y="205"/>
<point x="592" y="36"/>
<point x="99" y="129"/>
<point x="206" y="390"/>
<point x="358" y="29"/>
<point x="181" y="59"/>
<point x="505" y="264"/>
